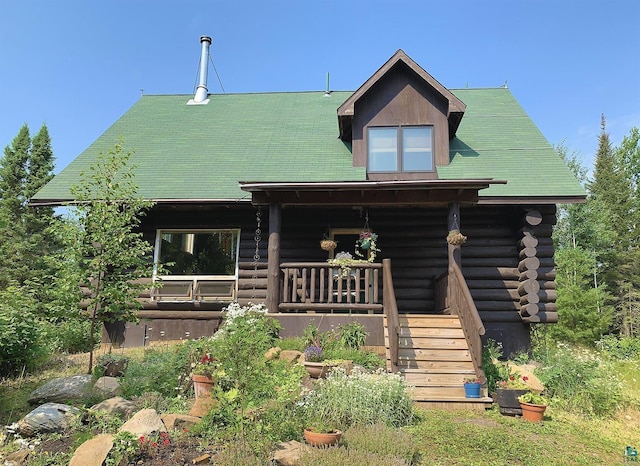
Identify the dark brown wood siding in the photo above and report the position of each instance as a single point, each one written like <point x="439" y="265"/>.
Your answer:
<point x="400" y="98"/>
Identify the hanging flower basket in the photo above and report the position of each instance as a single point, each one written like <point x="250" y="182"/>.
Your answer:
<point x="367" y="242"/>
<point x="456" y="238"/>
<point x="328" y="244"/>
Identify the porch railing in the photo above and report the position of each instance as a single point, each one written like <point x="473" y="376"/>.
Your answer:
<point x="320" y="286"/>
<point x="460" y="303"/>
<point x="391" y="313"/>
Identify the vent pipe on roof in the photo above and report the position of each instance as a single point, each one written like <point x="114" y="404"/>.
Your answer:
<point x="202" y="92"/>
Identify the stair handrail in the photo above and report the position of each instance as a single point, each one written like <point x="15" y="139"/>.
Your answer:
<point x="391" y="312"/>
<point x="469" y="317"/>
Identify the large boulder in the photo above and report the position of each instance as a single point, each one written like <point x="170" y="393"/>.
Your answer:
<point x="62" y="389"/>
<point x="93" y="452"/>
<point x="116" y="405"/>
<point x="144" y="422"/>
<point x="106" y="386"/>
<point x="289" y="453"/>
<point x="50" y="417"/>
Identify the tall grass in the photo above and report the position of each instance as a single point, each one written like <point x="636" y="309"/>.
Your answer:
<point x="581" y="381"/>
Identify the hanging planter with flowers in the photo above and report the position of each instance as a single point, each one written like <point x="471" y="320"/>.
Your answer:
<point x="327" y="244"/>
<point x="367" y="241"/>
<point x="455" y="238"/>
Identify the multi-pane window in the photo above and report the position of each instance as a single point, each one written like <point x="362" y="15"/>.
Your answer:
<point x="199" y="264"/>
<point x="400" y="149"/>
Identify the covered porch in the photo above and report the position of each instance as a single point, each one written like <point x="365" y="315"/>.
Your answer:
<point x="434" y="350"/>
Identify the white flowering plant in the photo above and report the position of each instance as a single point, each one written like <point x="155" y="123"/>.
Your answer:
<point x="362" y="398"/>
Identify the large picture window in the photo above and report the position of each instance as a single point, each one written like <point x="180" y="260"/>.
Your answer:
<point x="400" y="149"/>
<point x="199" y="264"/>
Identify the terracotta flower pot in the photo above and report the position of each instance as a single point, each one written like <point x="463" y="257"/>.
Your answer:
<point x="202" y="385"/>
<point x="318" y="370"/>
<point x="531" y="412"/>
<point x="322" y="439"/>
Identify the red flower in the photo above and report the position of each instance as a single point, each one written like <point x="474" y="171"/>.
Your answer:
<point x="166" y="441"/>
<point x="525" y="378"/>
<point x="154" y="444"/>
<point x="141" y="439"/>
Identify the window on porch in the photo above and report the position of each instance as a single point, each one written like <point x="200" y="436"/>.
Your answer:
<point x="201" y="265"/>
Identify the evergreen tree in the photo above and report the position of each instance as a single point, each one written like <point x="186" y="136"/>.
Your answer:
<point x="584" y="312"/>
<point x="25" y="240"/>
<point x="610" y="203"/>
<point x="14" y="266"/>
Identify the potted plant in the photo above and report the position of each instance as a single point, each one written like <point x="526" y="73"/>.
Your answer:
<point x="367" y="241"/>
<point x="314" y="362"/>
<point x="327" y="244"/>
<point x="202" y="375"/>
<point x="472" y="387"/>
<point x="113" y="365"/>
<point x="508" y="391"/>
<point x="319" y="437"/>
<point x="533" y="406"/>
<point x="455" y="238"/>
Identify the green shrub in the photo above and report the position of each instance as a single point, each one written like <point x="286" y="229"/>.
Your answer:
<point x="162" y="371"/>
<point x="352" y="335"/>
<point x="71" y="335"/>
<point x="22" y="338"/>
<point x="620" y="348"/>
<point x="580" y="381"/>
<point x="363" y="398"/>
<point x="494" y="370"/>
<point x="367" y="359"/>
<point x="292" y="343"/>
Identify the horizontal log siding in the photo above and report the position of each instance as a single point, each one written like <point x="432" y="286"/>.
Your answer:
<point x="497" y="256"/>
<point x="414" y="239"/>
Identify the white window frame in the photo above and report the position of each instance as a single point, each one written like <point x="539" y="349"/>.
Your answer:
<point x="193" y="283"/>
<point x="400" y="149"/>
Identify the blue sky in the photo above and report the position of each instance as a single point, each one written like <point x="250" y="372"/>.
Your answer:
<point x="78" y="65"/>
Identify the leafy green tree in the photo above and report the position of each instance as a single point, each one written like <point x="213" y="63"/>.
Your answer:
<point x="585" y="314"/>
<point x="108" y="244"/>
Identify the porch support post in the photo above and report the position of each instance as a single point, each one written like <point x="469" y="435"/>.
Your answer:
<point x="273" y="269"/>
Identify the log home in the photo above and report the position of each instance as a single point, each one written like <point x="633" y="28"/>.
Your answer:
<point x="246" y="185"/>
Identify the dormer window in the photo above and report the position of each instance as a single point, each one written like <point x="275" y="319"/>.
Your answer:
<point x="400" y="149"/>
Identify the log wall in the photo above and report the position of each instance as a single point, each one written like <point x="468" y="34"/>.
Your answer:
<point x="507" y="262"/>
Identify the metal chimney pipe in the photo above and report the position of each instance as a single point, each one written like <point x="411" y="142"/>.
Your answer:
<point x="202" y="92"/>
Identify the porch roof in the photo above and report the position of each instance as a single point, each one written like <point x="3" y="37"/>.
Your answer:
<point x="397" y="193"/>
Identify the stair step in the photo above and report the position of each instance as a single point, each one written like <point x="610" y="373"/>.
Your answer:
<point x="432" y="343"/>
<point x="457" y="399"/>
<point x="431" y="332"/>
<point x="439" y="392"/>
<point x="429" y="321"/>
<point x="435" y="379"/>
<point x="466" y="372"/>
<point x="434" y="355"/>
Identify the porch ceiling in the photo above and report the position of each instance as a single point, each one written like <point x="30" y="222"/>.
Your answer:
<point x="370" y="193"/>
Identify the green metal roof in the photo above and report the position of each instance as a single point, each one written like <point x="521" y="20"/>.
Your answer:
<point x="201" y="152"/>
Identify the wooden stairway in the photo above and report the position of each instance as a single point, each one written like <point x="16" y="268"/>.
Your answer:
<point x="434" y="358"/>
